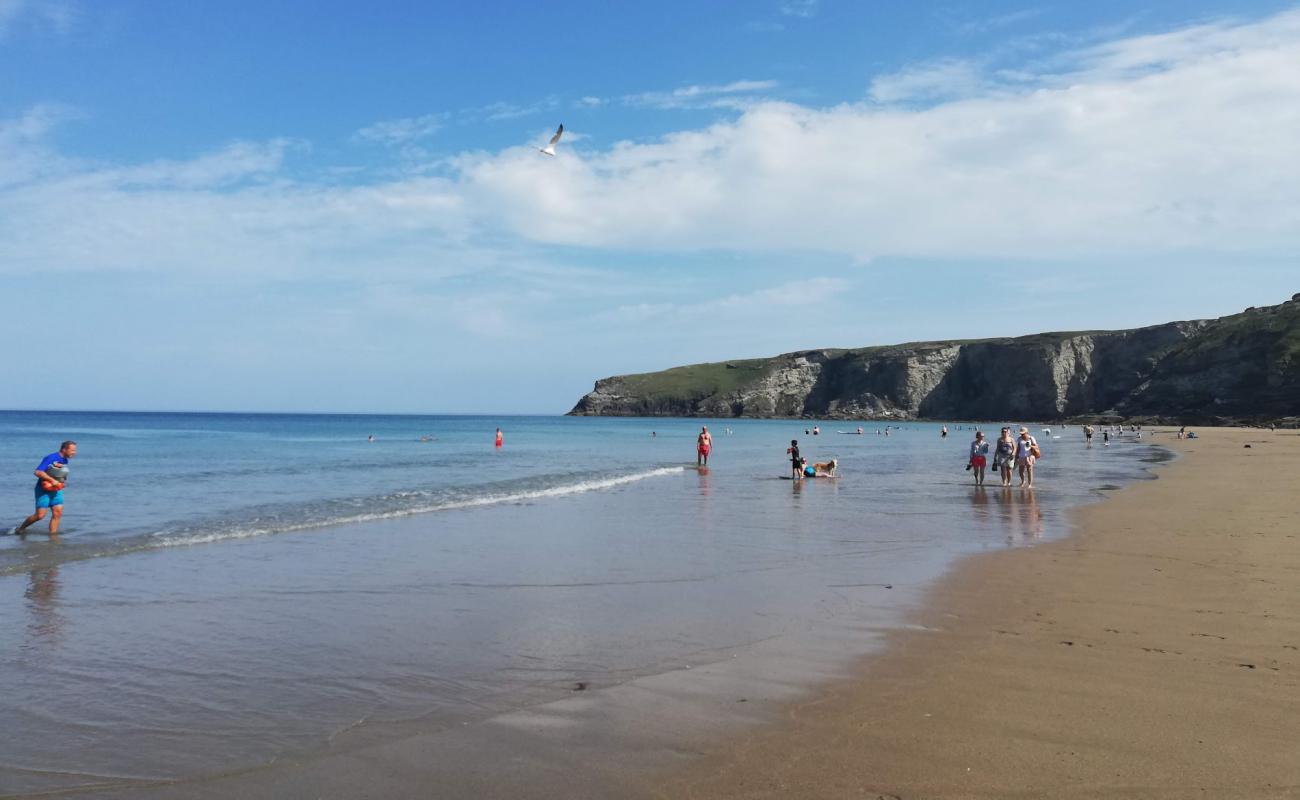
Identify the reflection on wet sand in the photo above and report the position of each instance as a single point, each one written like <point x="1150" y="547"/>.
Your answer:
<point x="1021" y="516"/>
<point x="42" y="595"/>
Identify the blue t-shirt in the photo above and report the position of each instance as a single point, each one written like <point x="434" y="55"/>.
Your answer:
<point x="49" y="461"/>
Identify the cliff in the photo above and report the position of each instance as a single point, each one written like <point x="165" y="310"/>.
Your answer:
<point x="1239" y="368"/>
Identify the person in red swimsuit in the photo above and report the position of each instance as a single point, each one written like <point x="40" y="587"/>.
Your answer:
<point x="703" y="444"/>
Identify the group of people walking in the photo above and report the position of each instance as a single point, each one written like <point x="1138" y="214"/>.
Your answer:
<point x="1019" y="453"/>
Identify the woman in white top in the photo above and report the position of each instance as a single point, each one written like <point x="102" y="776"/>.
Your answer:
<point x="979" y="451"/>
<point x="1025" y="458"/>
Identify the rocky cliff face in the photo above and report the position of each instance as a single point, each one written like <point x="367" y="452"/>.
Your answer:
<point x="1243" y="367"/>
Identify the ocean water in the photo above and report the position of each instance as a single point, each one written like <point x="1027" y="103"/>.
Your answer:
<point x="231" y="590"/>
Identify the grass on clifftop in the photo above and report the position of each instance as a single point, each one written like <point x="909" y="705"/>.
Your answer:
<point x="698" y="380"/>
<point x="1279" y="323"/>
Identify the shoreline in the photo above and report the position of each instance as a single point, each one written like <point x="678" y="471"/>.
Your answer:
<point x="1152" y="653"/>
<point x="617" y="739"/>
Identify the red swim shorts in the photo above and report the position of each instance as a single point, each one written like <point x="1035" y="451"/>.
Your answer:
<point x="978" y="461"/>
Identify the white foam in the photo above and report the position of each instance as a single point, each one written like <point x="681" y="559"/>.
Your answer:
<point x="165" y="540"/>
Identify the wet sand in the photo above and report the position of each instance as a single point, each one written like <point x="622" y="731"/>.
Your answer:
<point x="1153" y="654"/>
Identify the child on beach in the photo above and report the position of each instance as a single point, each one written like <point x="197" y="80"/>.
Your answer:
<point x="796" y="461"/>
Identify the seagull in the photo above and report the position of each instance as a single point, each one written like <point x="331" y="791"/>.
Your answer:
<point x="549" y="149"/>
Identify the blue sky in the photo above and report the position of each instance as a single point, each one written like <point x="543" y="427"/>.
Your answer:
<point x="284" y="206"/>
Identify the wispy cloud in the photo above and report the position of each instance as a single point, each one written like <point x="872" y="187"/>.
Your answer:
<point x="994" y="23"/>
<point x="936" y="80"/>
<point x="59" y="16"/>
<point x="1125" y="146"/>
<point x="503" y="110"/>
<point x="800" y="8"/>
<point x="724" y="95"/>
<point x="402" y="131"/>
<point x="1152" y="144"/>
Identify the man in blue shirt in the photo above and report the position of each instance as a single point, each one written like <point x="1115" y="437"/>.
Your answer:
<point x="49" y="488"/>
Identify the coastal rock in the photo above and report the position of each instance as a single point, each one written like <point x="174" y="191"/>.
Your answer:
<point x="1244" y="367"/>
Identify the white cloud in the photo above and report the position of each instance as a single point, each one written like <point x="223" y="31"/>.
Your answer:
<point x="1158" y="144"/>
<point x="1182" y="141"/>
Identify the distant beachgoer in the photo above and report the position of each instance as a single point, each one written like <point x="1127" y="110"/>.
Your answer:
<point x="816" y="431"/>
<point x="979" y="451"/>
<point x="1026" y="455"/>
<point x="51" y="477"/>
<point x="653" y="434"/>
<point x="943" y="432"/>
<point x="501" y="439"/>
<point x="370" y="438"/>
<point x="1004" y="455"/>
<point x="796" y="461"/>
<point x="703" y="444"/>
<point x="1087" y="433"/>
<point x="1105" y="436"/>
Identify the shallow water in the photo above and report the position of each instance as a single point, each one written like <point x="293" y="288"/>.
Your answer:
<point x="235" y="589"/>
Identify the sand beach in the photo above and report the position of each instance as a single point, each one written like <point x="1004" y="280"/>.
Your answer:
<point x="1153" y="654"/>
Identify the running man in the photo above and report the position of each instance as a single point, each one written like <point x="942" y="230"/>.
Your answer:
<point x="49" y="488"/>
<point x="703" y="444"/>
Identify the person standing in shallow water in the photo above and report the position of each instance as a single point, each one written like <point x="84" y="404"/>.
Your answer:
<point x="703" y="445"/>
<point x="1004" y="455"/>
<point x="501" y="438"/>
<point x="1025" y="458"/>
<point x="51" y="475"/>
<point x="796" y="461"/>
<point x="979" y="451"/>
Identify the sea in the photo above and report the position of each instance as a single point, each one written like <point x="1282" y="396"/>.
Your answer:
<point x="230" y="591"/>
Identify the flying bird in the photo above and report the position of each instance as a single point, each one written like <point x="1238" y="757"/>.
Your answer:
<point x="549" y="149"/>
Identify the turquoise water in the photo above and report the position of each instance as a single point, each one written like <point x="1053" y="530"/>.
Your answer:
<point x="233" y="589"/>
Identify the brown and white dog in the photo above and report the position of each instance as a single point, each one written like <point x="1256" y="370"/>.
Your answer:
<point x="826" y="468"/>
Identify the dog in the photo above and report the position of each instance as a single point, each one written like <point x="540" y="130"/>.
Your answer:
<point x="826" y="468"/>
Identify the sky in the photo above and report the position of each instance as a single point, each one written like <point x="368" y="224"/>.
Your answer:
<point x="340" y="207"/>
